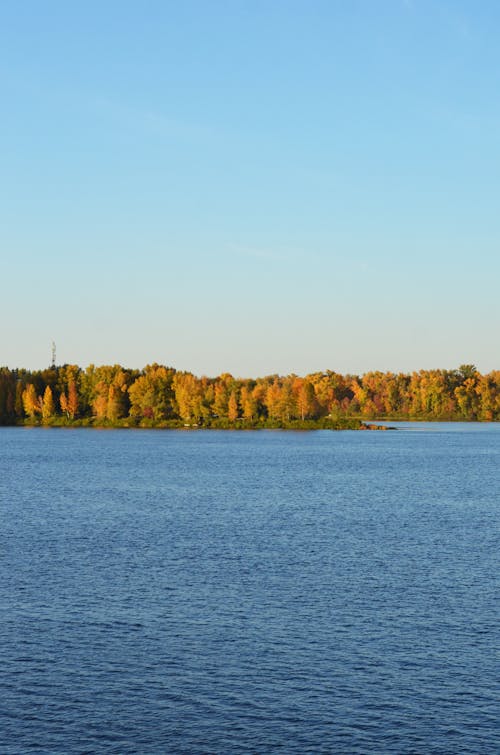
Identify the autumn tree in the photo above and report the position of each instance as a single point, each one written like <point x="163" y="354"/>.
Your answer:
<point x="48" y="406"/>
<point x="68" y="379"/>
<point x="467" y="398"/>
<point x="248" y="403"/>
<point x="273" y="399"/>
<point x="72" y="399"/>
<point x="189" y="395"/>
<point x="305" y="398"/>
<point x="287" y="404"/>
<point x="332" y="391"/>
<point x="31" y="402"/>
<point x="158" y="393"/>
<point x="151" y="394"/>
<point x="221" y="399"/>
<point x="114" y="404"/>
<point x="232" y="407"/>
<point x="100" y="399"/>
<point x="485" y="389"/>
<point x="259" y="393"/>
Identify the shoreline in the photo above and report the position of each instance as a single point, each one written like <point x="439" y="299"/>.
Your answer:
<point x="298" y="426"/>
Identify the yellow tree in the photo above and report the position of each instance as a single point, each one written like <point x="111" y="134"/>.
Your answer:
<point x="113" y="403"/>
<point x="100" y="401"/>
<point x="31" y="402"/>
<point x="232" y="407"/>
<point x="287" y="403"/>
<point x="489" y="396"/>
<point x="189" y="394"/>
<point x="69" y="377"/>
<point x="106" y="390"/>
<point x="221" y="399"/>
<point x="324" y="391"/>
<point x="359" y="395"/>
<point x="151" y="393"/>
<point x="375" y="385"/>
<point x="305" y="397"/>
<point x="273" y="399"/>
<point x="467" y="398"/>
<point x="248" y="403"/>
<point x="48" y="406"/>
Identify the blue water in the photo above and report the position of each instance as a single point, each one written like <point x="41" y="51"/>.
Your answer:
<point x="249" y="592"/>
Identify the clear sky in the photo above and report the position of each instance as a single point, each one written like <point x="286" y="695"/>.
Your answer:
<point x="250" y="186"/>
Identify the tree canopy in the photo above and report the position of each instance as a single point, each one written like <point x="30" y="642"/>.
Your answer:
<point x="162" y="396"/>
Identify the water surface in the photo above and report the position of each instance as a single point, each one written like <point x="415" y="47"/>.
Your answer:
<point x="249" y="592"/>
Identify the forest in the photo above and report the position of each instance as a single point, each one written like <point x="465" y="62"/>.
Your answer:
<point x="159" y="396"/>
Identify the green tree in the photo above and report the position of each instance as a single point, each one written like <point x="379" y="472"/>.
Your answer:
<point x="151" y="394"/>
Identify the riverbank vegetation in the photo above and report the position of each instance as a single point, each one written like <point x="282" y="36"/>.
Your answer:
<point x="159" y="396"/>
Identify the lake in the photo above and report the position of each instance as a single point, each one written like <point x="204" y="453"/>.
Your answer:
<point x="250" y="592"/>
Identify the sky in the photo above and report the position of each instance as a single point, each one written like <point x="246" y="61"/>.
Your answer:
<point x="253" y="187"/>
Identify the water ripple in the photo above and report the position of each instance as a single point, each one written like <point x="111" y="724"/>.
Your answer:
<point x="249" y="592"/>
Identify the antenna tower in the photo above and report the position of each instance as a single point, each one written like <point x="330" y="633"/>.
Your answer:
<point x="53" y="354"/>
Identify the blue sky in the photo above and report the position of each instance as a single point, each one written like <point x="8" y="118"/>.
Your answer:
<point x="251" y="187"/>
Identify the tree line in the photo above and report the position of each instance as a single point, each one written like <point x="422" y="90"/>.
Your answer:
<point x="159" y="396"/>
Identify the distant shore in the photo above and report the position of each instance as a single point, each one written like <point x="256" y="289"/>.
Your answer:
<point x="163" y="397"/>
